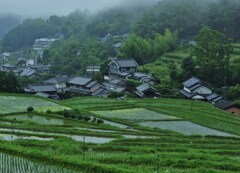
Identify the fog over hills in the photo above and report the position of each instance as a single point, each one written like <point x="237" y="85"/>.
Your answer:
<point x="36" y="8"/>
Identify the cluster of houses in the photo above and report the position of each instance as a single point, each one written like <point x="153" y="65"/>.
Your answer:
<point x="120" y="70"/>
<point x="195" y="89"/>
<point x="26" y="68"/>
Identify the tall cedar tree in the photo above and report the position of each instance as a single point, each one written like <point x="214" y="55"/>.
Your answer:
<point x="212" y="52"/>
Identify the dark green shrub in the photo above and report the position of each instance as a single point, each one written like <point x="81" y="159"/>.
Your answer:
<point x="79" y="117"/>
<point x="100" y="121"/>
<point x="30" y="109"/>
<point x="73" y="115"/>
<point x="86" y="118"/>
<point x="48" y="111"/>
<point x="66" y="113"/>
<point x="115" y="95"/>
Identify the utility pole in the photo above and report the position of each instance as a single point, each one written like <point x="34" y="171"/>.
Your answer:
<point x="225" y="87"/>
<point x="84" y="140"/>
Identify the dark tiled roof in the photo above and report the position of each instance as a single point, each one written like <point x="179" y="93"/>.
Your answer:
<point x="186" y="94"/>
<point x="80" y="91"/>
<point x="126" y="62"/>
<point x="80" y="81"/>
<point x="90" y="84"/>
<point x="212" y="97"/>
<point x="8" y="66"/>
<point x="56" y="80"/>
<point x="115" y="81"/>
<point x="28" y="72"/>
<point x="42" y="88"/>
<point x="143" y="87"/>
<point x="191" y="82"/>
<point x="195" y="87"/>
<point x="217" y="99"/>
<point x="223" y="104"/>
<point x="140" y="75"/>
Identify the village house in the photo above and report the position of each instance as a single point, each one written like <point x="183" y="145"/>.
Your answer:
<point x="29" y="73"/>
<point x="58" y="82"/>
<point x="121" y="68"/>
<point x="47" y="91"/>
<point x="115" y="85"/>
<point x="8" y="68"/>
<point x="83" y="85"/>
<point x="43" y="43"/>
<point x="195" y="89"/>
<point x="146" y="90"/>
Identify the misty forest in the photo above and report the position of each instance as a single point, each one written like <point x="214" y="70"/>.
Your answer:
<point x="147" y="87"/>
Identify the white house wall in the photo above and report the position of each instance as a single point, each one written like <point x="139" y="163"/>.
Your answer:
<point x="186" y="89"/>
<point x="198" y="97"/>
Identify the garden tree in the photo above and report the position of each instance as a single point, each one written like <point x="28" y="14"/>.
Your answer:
<point x="9" y="83"/>
<point x="188" y="68"/>
<point x="234" y="73"/>
<point x="233" y="92"/>
<point x="212" y="53"/>
<point x="224" y="17"/>
<point x="104" y="68"/>
<point x="132" y="84"/>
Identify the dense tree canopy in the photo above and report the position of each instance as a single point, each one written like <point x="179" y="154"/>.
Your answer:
<point x="71" y="57"/>
<point x="184" y="16"/>
<point x="224" y="16"/>
<point x="212" y="52"/>
<point x="147" y="50"/>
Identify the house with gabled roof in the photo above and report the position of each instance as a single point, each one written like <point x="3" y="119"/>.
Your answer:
<point x="58" y="82"/>
<point x="49" y="89"/>
<point x="29" y="73"/>
<point x="194" y="88"/>
<point x="121" y="68"/>
<point x="83" y="85"/>
<point x="8" y="67"/>
<point x="146" y="90"/>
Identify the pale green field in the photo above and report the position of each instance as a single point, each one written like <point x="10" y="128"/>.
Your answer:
<point x="11" y="104"/>
<point x="134" y="114"/>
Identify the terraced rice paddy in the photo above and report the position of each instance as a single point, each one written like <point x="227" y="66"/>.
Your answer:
<point x="12" y="164"/>
<point x="36" y="119"/>
<point x="9" y="137"/>
<point x="185" y="127"/>
<point x="134" y="114"/>
<point x="130" y="139"/>
<point x="10" y="104"/>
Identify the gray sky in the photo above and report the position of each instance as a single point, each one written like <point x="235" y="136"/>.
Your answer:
<point x="34" y="8"/>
